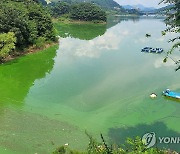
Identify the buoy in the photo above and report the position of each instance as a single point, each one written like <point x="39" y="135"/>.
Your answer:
<point x="153" y="95"/>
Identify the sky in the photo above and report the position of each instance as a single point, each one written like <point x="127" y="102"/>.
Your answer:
<point x="148" y="3"/>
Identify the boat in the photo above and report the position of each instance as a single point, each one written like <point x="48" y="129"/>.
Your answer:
<point x="152" y="50"/>
<point x="146" y="49"/>
<point x="159" y="50"/>
<point x="171" y="94"/>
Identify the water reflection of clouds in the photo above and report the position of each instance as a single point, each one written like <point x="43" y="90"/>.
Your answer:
<point x="170" y="63"/>
<point x="94" y="48"/>
<point x="150" y="40"/>
<point x="160" y="39"/>
<point x="141" y="40"/>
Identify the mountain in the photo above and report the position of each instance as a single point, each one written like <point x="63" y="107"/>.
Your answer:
<point x="107" y="4"/>
<point x="128" y="7"/>
<point x="162" y="9"/>
<point x="148" y="10"/>
<point x="139" y="7"/>
<point x="143" y="8"/>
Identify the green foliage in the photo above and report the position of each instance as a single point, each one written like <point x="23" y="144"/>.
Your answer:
<point x="133" y="11"/>
<point x="43" y="2"/>
<point x="39" y="43"/>
<point x="105" y="4"/>
<point x="173" y="25"/>
<point x="60" y="150"/>
<point x="27" y="19"/>
<point x="134" y="146"/>
<point x="87" y="12"/>
<point x="64" y="19"/>
<point x="59" y="9"/>
<point x="173" y="16"/>
<point x="7" y="44"/>
<point x="78" y="11"/>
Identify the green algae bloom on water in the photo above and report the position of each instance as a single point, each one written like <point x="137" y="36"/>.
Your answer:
<point x="97" y="81"/>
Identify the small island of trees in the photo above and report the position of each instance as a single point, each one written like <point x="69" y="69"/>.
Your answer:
<point x="78" y="11"/>
<point x="87" y="12"/>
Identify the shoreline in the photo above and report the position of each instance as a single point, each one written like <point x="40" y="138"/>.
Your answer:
<point x="27" y="51"/>
<point x="71" y="21"/>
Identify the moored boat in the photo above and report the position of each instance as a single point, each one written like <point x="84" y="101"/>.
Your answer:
<point x="152" y="50"/>
<point x="171" y="94"/>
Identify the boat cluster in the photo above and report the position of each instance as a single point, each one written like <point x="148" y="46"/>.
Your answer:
<point x="152" y="50"/>
<point x="168" y="93"/>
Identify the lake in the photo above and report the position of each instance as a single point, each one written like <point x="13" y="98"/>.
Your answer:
<point x="97" y="80"/>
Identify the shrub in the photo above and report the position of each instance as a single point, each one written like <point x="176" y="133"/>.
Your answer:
<point x="39" y="43"/>
<point x="134" y="146"/>
<point x="60" y="8"/>
<point x="7" y="44"/>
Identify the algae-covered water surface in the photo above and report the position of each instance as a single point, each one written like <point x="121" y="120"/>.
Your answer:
<point x="97" y="80"/>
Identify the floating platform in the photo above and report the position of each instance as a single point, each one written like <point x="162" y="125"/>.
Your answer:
<point x="152" y="50"/>
<point x="171" y="94"/>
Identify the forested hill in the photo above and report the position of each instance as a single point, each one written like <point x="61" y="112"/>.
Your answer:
<point x="108" y="4"/>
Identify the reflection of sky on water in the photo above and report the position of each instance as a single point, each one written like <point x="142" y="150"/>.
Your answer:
<point x="93" y="48"/>
<point x="105" y="82"/>
<point x="98" y="85"/>
<point x="122" y="38"/>
<point x="158" y="62"/>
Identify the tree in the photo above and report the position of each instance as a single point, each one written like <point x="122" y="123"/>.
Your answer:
<point x="27" y="19"/>
<point x="7" y="44"/>
<point x="43" y="2"/>
<point x="173" y="26"/>
<point x="87" y="12"/>
<point x="60" y="8"/>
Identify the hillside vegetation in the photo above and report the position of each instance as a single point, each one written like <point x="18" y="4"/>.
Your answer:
<point x="78" y="11"/>
<point x="110" y="6"/>
<point x="24" y="23"/>
<point x="105" y="4"/>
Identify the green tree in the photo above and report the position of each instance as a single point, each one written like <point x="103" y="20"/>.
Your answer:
<point x="7" y="44"/>
<point x="87" y="12"/>
<point x="105" y="4"/>
<point x="27" y="19"/>
<point x="173" y="25"/>
<point x="60" y="8"/>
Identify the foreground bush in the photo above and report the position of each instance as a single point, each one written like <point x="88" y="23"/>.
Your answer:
<point x="134" y="146"/>
<point x="7" y="44"/>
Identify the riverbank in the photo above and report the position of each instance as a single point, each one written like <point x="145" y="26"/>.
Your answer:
<point x="44" y="45"/>
<point x="67" y="20"/>
<point x="30" y="50"/>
